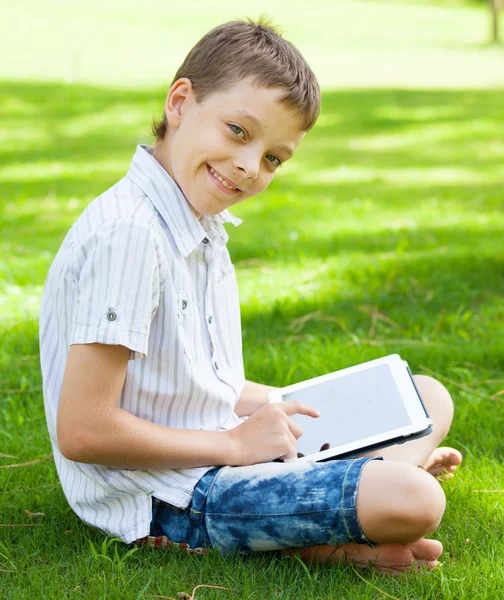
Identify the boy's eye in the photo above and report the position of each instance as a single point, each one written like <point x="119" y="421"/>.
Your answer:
<point x="274" y="160"/>
<point x="237" y="130"/>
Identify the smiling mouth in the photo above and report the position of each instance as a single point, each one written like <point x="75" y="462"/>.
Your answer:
<point x="222" y="180"/>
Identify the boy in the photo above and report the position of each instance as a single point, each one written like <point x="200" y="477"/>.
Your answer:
<point x="155" y="432"/>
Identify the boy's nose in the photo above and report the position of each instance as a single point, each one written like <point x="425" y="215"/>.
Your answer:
<point x="248" y="165"/>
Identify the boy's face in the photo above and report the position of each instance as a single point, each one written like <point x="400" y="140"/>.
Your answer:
<point x="240" y="136"/>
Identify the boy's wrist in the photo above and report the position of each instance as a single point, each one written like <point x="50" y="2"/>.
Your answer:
<point x="232" y="455"/>
<point x="253" y="397"/>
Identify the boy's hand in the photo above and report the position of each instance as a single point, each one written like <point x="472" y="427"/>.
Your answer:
<point x="268" y="434"/>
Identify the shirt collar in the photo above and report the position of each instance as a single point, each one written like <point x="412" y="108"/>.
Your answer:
<point x="168" y="199"/>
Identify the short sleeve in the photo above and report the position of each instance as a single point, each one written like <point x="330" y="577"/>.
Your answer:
<point x="117" y="286"/>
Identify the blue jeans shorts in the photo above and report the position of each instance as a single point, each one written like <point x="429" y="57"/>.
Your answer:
<point x="267" y="506"/>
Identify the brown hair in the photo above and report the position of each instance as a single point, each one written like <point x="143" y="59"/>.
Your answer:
<point x="239" y="49"/>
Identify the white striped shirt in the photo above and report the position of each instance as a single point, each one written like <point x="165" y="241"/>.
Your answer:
<point x="138" y="269"/>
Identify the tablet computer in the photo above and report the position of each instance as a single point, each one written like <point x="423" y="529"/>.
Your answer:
<point x="362" y="408"/>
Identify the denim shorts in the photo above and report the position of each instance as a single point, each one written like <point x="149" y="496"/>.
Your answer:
<point x="267" y="506"/>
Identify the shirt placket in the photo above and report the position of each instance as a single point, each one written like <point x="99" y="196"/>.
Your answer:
<point x="212" y="250"/>
<point x="208" y="316"/>
<point x="211" y="254"/>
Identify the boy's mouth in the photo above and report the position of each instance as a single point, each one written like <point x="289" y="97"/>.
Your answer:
<point x="222" y="182"/>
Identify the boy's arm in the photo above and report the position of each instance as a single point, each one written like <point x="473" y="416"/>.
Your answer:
<point x="92" y="428"/>
<point x="253" y="397"/>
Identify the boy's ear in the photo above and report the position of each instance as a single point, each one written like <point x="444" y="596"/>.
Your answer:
<point x="177" y="96"/>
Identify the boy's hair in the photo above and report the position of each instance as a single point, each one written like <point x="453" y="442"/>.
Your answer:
<point x="239" y="49"/>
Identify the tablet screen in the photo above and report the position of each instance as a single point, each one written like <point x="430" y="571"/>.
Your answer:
<point x="352" y="407"/>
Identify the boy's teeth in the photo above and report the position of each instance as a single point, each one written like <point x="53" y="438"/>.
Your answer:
<point x="223" y="181"/>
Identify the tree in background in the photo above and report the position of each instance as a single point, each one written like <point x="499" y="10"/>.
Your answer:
<point x="495" y="6"/>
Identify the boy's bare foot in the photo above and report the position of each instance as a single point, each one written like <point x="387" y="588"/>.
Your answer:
<point x="386" y="558"/>
<point x="443" y="462"/>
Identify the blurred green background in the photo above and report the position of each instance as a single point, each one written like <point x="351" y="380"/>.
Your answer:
<point x="383" y="234"/>
<point x="347" y="42"/>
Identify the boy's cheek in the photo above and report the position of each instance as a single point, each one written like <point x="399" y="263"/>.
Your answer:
<point x="265" y="183"/>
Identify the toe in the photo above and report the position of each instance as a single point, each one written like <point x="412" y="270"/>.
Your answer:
<point x="433" y="564"/>
<point x="443" y="459"/>
<point x="455" y="457"/>
<point x="441" y="470"/>
<point x="427" y="550"/>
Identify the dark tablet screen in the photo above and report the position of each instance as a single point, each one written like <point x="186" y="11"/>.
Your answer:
<point x="352" y="408"/>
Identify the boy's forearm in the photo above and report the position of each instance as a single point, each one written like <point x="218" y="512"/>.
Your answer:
<point x="254" y="396"/>
<point x="124" y="441"/>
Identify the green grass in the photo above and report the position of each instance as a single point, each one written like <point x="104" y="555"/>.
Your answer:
<point x="393" y="202"/>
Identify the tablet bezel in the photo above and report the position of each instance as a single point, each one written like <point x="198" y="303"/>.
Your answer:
<point x="408" y="392"/>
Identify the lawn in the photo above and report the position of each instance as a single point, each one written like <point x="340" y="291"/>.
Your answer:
<point x="384" y="234"/>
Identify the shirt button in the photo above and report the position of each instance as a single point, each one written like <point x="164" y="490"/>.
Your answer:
<point x="210" y="319"/>
<point x="184" y="304"/>
<point x="111" y="314"/>
<point x="216" y="365"/>
<point x="205" y="240"/>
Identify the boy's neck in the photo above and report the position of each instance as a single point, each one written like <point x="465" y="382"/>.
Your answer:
<point x="161" y="154"/>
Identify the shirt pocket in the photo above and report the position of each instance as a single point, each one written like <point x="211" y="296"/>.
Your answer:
<point x="189" y="325"/>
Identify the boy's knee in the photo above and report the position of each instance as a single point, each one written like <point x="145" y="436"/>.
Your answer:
<point x="438" y="402"/>
<point x="423" y="503"/>
<point x="397" y="502"/>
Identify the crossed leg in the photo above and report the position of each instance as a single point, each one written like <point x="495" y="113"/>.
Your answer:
<point x="397" y="503"/>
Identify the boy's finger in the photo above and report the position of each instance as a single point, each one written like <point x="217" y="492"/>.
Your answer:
<point x="293" y="407"/>
<point x="292" y="454"/>
<point x="294" y="428"/>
